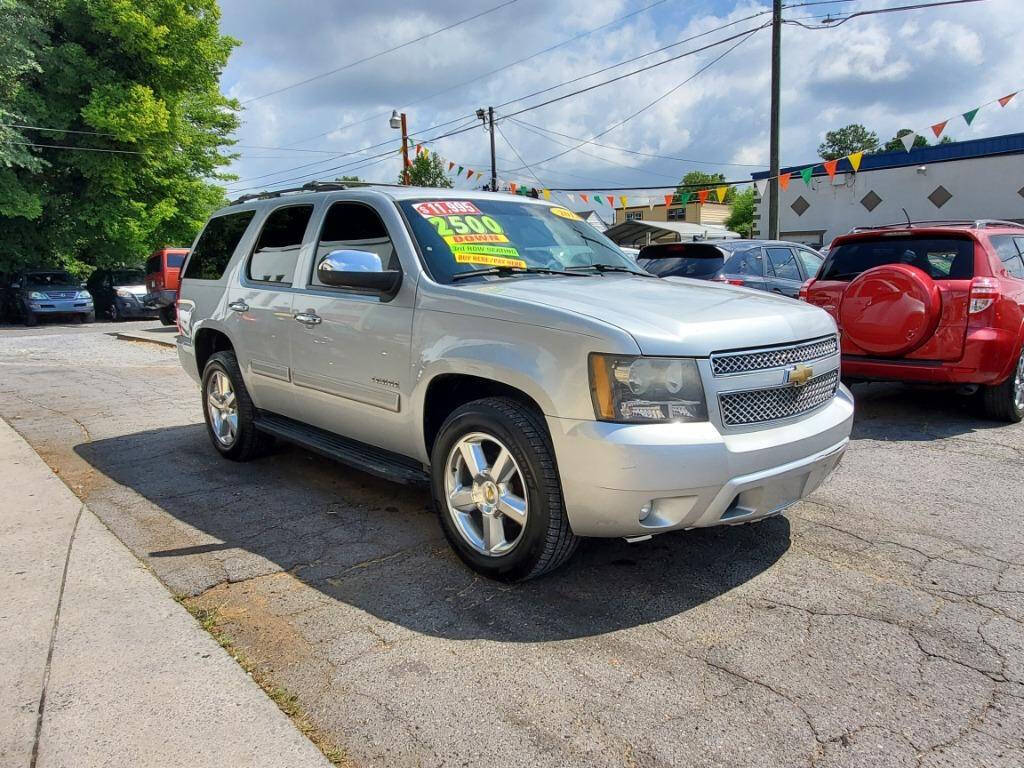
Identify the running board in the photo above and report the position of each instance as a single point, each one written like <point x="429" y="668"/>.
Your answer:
<point x="368" y="458"/>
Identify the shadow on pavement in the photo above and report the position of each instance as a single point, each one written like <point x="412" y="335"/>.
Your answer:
<point x="377" y="546"/>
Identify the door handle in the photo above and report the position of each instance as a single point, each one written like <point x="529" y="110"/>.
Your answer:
<point x="309" y="319"/>
<point x="239" y="306"/>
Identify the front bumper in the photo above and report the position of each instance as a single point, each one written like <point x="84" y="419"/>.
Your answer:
<point x="59" y="306"/>
<point x="692" y="475"/>
<point x="160" y="299"/>
<point x="133" y="307"/>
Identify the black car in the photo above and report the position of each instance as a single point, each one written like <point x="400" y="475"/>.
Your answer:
<point x="768" y="265"/>
<point x="120" y="293"/>
<point x="40" y="293"/>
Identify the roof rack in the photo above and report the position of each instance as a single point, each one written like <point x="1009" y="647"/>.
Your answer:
<point x="972" y="223"/>
<point x="310" y="186"/>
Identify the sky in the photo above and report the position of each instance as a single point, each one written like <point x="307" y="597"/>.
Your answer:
<point x="887" y="71"/>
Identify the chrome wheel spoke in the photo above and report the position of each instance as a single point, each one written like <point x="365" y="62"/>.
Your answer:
<point x="494" y="532"/>
<point x="222" y="408"/>
<point x="473" y="455"/>
<point x="513" y="507"/>
<point x="462" y="499"/>
<point x="502" y="469"/>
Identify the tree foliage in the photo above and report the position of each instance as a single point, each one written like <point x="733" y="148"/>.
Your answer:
<point x="139" y="80"/>
<point x="695" y="180"/>
<point x="896" y="144"/>
<point x="426" y="170"/>
<point x="741" y="218"/>
<point x="847" y="140"/>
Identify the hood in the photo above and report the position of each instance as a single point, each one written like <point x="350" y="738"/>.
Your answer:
<point x="675" y="316"/>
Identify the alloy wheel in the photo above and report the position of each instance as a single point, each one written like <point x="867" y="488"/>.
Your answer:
<point x="223" y="408"/>
<point x="486" y="494"/>
<point x="1018" y="385"/>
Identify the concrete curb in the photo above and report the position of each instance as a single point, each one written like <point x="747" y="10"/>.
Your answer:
<point x="149" y="336"/>
<point x="103" y="667"/>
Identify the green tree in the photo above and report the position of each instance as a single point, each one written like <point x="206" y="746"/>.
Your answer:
<point x="426" y="170"/>
<point x="741" y="218"/>
<point x="695" y="180"/>
<point x="847" y="140"/>
<point x="140" y="81"/>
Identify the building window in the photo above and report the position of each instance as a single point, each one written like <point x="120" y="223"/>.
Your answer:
<point x="676" y="214"/>
<point x="634" y="215"/>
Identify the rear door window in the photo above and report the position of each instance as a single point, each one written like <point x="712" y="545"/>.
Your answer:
<point x="811" y="261"/>
<point x="153" y="264"/>
<point x="175" y="260"/>
<point x="745" y="263"/>
<point x="782" y="263"/>
<point x="216" y="246"/>
<point x="1009" y="250"/>
<point x="276" y="253"/>
<point x="354" y="227"/>
<point x="942" y="258"/>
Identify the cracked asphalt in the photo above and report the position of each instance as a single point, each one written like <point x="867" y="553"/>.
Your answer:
<point x="878" y="623"/>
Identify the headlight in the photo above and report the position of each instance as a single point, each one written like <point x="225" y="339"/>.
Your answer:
<point x="83" y="295"/>
<point x="646" y="389"/>
<point x="37" y="295"/>
<point x="124" y="293"/>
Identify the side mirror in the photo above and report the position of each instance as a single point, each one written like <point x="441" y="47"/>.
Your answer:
<point x="361" y="270"/>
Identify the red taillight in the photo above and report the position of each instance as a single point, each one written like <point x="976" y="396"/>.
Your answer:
<point x="728" y="280"/>
<point x="177" y="316"/>
<point x="805" y="290"/>
<point x="984" y="292"/>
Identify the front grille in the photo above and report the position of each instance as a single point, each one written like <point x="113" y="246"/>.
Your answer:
<point x="759" y="405"/>
<point x="730" y="363"/>
<point x="61" y="294"/>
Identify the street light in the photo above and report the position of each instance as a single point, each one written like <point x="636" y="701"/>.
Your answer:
<point x="398" y="121"/>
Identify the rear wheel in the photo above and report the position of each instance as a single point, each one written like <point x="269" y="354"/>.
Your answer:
<point x="230" y="413"/>
<point x="497" y="492"/>
<point x="115" y="313"/>
<point x="1006" y="401"/>
<point x="30" y="319"/>
<point x="167" y="315"/>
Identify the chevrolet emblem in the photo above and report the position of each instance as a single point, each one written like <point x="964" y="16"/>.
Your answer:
<point x="798" y="375"/>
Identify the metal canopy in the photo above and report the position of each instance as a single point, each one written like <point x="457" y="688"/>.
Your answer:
<point x="638" y="232"/>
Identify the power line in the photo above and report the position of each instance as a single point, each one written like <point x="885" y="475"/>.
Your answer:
<point x="518" y="156"/>
<point x="919" y="6"/>
<point x="380" y="53"/>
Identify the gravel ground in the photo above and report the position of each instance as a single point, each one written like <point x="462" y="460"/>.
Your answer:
<point x="877" y="624"/>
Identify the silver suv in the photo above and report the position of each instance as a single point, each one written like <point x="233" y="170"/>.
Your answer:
<point x="507" y="353"/>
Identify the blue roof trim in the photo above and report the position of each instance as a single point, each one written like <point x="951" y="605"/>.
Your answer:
<point x="1012" y="143"/>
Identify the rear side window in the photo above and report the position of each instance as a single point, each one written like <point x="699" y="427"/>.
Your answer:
<point x="942" y="258"/>
<point x="175" y="260"/>
<point x="277" y="250"/>
<point x="745" y="263"/>
<point x="1009" y="250"/>
<point x="216" y="245"/>
<point x="153" y="264"/>
<point x="811" y="260"/>
<point x="783" y="263"/>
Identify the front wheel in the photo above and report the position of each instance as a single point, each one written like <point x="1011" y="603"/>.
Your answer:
<point x="1005" y="401"/>
<point x="167" y="315"/>
<point x="230" y="413"/>
<point x="496" y="488"/>
<point x="31" y="318"/>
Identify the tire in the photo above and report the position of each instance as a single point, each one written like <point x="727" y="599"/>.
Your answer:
<point x="545" y="541"/>
<point x="166" y="315"/>
<point x="115" y="313"/>
<point x="1005" y="402"/>
<point x="30" y="319"/>
<point x="247" y="442"/>
<point x="89" y="317"/>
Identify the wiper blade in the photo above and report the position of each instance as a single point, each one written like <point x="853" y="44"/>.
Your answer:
<point x="509" y="271"/>
<point x="612" y="268"/>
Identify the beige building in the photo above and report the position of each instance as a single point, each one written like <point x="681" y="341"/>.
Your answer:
<point x="693" y="213"/>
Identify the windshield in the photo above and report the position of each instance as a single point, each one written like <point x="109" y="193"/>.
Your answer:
<point x="47" y="279"/>
<point x="127" y="277"/>
<point x="457" y="236"/>
<point x="175" y="260"/>
<point x="942" y="258"/>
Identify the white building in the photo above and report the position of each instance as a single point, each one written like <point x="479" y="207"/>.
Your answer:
<point x="977" y="179"/>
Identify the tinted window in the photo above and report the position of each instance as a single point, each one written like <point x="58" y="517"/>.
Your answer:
<point x="153" y="264"/>
<point x="47" y="279"/>
<point x="1008" y="249"/>
<point x="277" y="250"/>
<point x="943" y="258"/>
<point x="216" y="245"/>
<point x="127" y="277"/>
<point x="812" y="261"/>
<point x="354" y="227"/>
<point x="782" y="263"/>
<point x="175" y="260"/>
<point x="745" y="263"/>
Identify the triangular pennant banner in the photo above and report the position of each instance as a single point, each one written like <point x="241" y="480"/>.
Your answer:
<point x="761" y="185"/>
<point x="1006" y="99"/>
<point x="511" y="186"/>
<point x="969" y="115"/>
<point x="624" y="201"/>
<point x="784" y="179"/>
<point x="469" y="173"/>
<point x="938" y="128"/>
<point x="597" y="199"/>
<point x="720" y="193"/>
<point x="547" y="194"/>
<point x="584" y="198"/>
<point x="702" y="195"/>
<point x="459" y="172"/>
<point x="419" y="148"/>
<point x="855" y="159"/>
<point x="450" y="166"/>
<point x="479" y="175"/>
<point x="684" y="198"/>
<point x="806" y="174"/>
<point x="571" y="196"/>
<point x="908" y="140"/>
<point x="668" y="200"/>
<point x="830" y="167"/>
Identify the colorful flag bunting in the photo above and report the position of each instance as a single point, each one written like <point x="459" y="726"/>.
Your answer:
<point x="547" y="194"/>
<point x="806" y="174"/>
<point x="624" y="201"/>
<point x="511" y="187"/>
<point x="571" y="196"/>
<point x="668" y="200"/>
<point x="459" y="172"/>
<point x="702" y="195"/>
<point x="469" y="173"/>
<point x="684" y="197"/>
<point x="969" y="115"/>
<point x="419" y="148"/>
<point x="721" y="192"/>
<point x="598" y="199"/>
<point x="830" y="167"/>
<point x="784" y="179"/>
<point x="479" y="175"/>
<point x="761" y="185"/>
<point x="855" y="159"/>
<point x="938" y="128"/>
<point x="450" y="166"/>
<point x="584" y="198"/>
<point x="908" y="140"/>
<point x="1006" y="99"/>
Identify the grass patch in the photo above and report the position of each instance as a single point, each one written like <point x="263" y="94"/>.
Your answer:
<point x="211" y="620"/>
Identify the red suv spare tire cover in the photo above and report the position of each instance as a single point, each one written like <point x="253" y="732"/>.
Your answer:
<point x="890" y="310"/>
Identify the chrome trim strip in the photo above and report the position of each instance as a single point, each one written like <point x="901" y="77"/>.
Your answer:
<point x="350" y="390"/>
<point x="270" y="370"/>
<point x="789" y="354"/>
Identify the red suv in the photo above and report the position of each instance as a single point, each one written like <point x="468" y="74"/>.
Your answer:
<point x="936" y="302"/>
<point x="163" y="270"/>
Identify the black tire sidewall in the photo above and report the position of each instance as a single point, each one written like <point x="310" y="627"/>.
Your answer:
<point x="216" y="363"/>
<point x="478" y="417"/>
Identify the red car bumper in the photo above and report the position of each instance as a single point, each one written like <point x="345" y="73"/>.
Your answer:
<point x="989" y="356"/>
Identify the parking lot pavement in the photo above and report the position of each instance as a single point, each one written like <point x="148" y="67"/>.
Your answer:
<point x="876" y="624"/>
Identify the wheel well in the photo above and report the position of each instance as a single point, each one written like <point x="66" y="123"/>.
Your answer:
<point x="448" y="391"/>
<point x="207" y="342"/>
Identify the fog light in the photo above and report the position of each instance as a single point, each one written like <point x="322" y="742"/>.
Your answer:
<point x="645" y="511"/>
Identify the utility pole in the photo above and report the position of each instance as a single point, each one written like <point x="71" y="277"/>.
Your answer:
<point x="405" y="150"/>
<point x="773" y="183"/>
<point x="487" y="118"/>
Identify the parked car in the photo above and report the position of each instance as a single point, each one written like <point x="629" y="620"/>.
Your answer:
<point x="934" y="302"/>
<point x="767" y="265"/>
<point x="163" y="269"/>
<point x="505" y="352"/>
<point x="48" y="293"/>
<point x="119" y="293"/>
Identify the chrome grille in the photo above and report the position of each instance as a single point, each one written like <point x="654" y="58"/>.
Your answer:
<point x="729" y="363"/>
<point x="759" y="405"/>
<point x="61" y="294"/>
